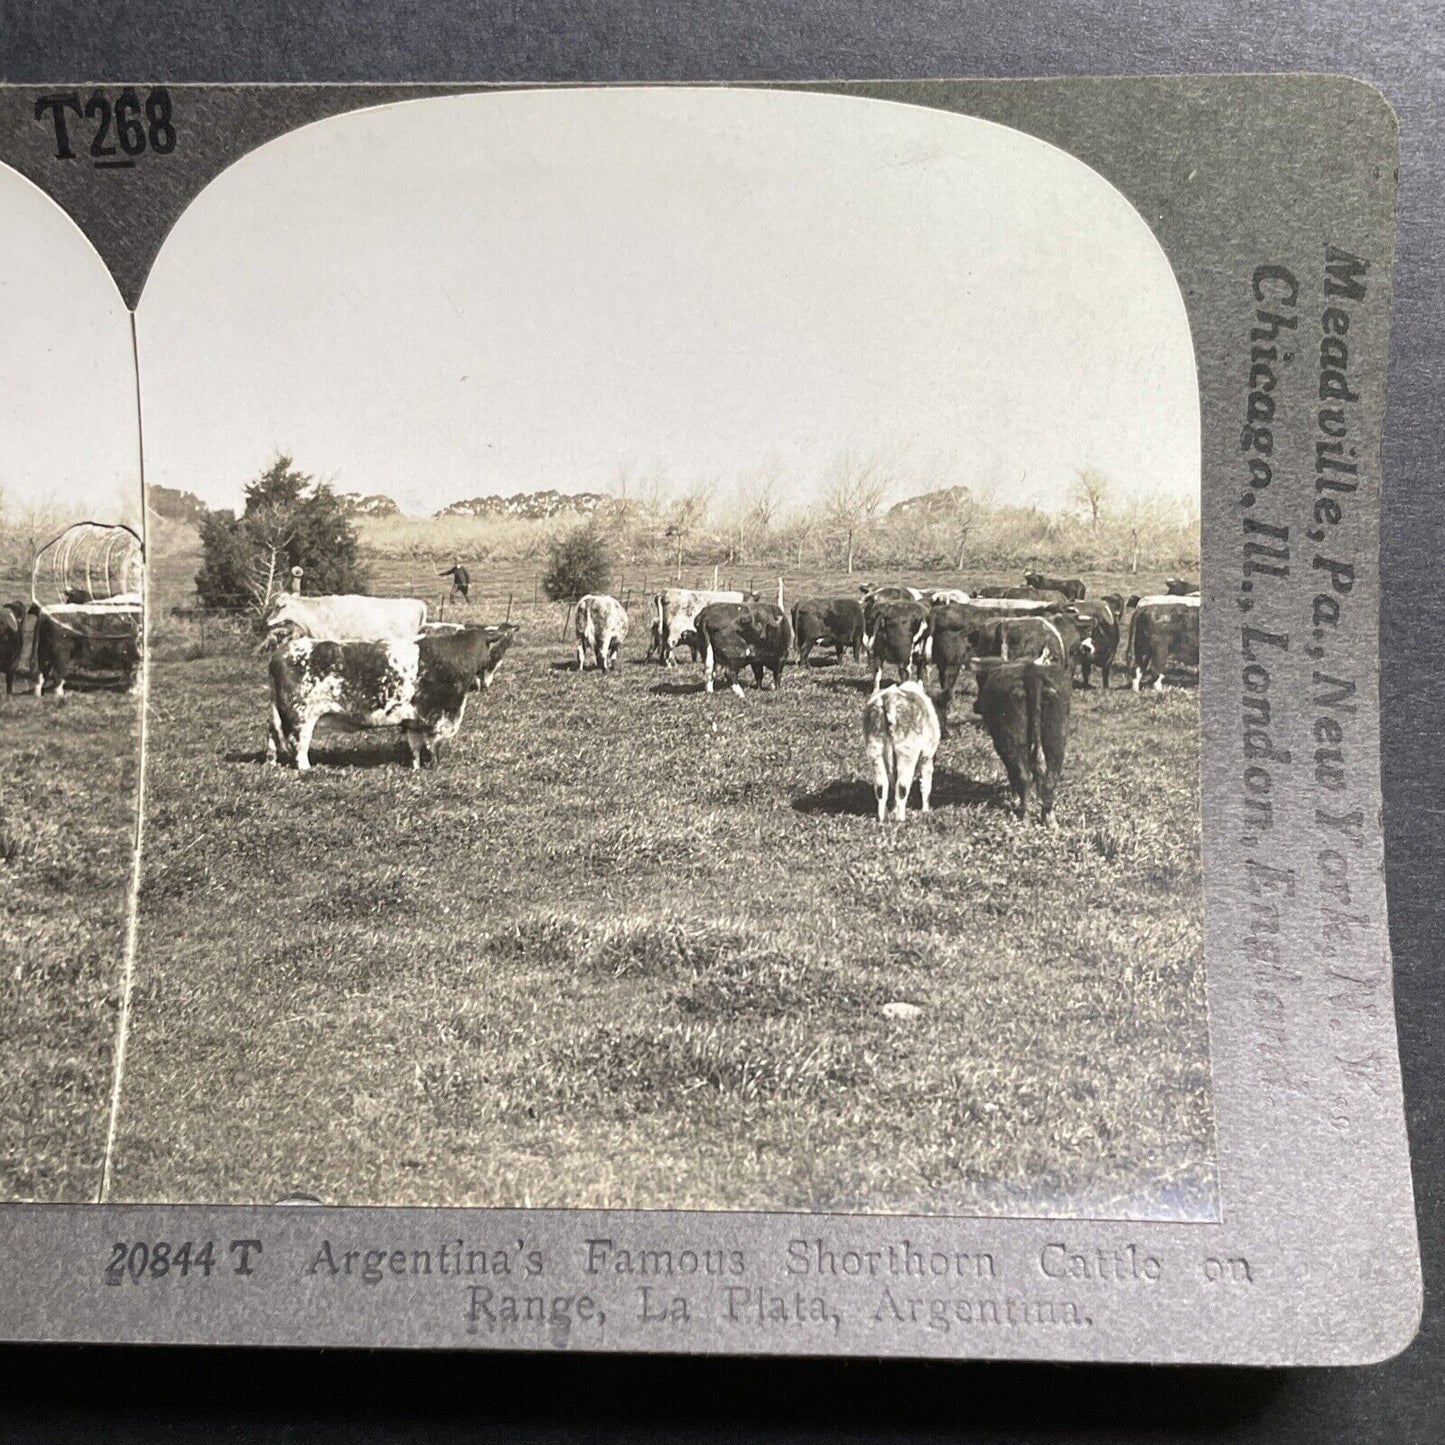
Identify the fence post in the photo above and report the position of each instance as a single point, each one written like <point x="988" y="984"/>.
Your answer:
<point x="296" y="573"/>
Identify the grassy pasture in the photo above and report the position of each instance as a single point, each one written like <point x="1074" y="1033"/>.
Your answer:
<point x="67" y="828"/>
<point x="630" y="945"/>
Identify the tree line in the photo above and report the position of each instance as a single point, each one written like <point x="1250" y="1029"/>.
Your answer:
<point x="289" y="519"/>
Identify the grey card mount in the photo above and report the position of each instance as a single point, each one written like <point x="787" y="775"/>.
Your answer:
<point x="752" y="724"/>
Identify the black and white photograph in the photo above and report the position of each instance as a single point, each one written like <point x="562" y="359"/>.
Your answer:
<point x="71" y="579"/>
<point x="673" y="663"/>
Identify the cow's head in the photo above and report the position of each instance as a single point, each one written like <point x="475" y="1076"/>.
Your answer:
<point x="1033" y="579"/>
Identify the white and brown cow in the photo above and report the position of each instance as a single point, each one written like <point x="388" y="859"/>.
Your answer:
<point x="600" y="622"/>
<point x="418" y="684"/>
<point x="900" y="735"/>
<point x="344" y="617"/>
<point x="675" y="612"/>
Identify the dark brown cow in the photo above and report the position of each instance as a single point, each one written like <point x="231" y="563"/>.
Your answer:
<point x="83" y="642"/>
<point x="835" y="622"/>
<point x="12" y="640"/>
<point x="954" y="633"/>
<point x="897" y="632"/>
<point x="1164" y="634"/>
<point x="1178" y="587"/>
<point x="1071" y="587"/>
<point x="735" y="635"/>
<point x="1104" y="634"/>
<point x="1025" y="707"/>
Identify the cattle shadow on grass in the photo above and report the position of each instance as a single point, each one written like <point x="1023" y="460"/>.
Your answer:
<point x="862" y="684"/>
<point x="845" y="796"/>
<point x="335" y="759"/>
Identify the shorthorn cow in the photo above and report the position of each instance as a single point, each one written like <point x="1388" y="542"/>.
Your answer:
<point x="12" y="640"/>
<point x="418" y="684"/>
<point x="735" y="635"/>
<point x="1071" y="587"/>
<point x="675" y="612"/>
<point x="344" y="617"/>
<point x="955" y="632"/>
<point x="835" y="622"/>
<point x="72" y="640"/>
<point x="1164" y="634"/>
<point x="1025" y="707"/>
<point x="1104" y="634"/>
<point x="900" y="735"/>
<point x="896" y="634"/>
<point x="600" y="622"/>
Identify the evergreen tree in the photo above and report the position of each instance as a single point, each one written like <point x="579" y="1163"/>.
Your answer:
<point x="289" y="520"/>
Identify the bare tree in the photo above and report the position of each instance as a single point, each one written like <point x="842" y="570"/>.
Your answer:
<point x="1090" y="493"/>
<point x="851" y="500"/>
<point x="685" y="518"/>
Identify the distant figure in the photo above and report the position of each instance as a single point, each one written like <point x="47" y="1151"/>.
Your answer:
<point x="461" y="579"/>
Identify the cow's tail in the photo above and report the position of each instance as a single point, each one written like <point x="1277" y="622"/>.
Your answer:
<point x="1034" y="684"/>
<point x="891" y="699"/>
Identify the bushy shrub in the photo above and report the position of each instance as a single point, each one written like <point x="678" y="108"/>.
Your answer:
<point x="578" y="562"/>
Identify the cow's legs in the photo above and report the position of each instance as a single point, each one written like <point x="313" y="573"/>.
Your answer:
<point x="416" y="741"/>
<point x="882" y="780"/>
<point x="732" y="681"/>
<point x="275" y="736"/>
<point x="303" y="744"/>
<point x="925" y="779"/>
<point x="1138" y="677"/>
<point x="581" y="657"/>
<point x="60" y="688"/>
<point x="1159" y="681"/>
<point x="903" y="783"/>
<point x="707" y="666"/>
<point x="758" y="675"/>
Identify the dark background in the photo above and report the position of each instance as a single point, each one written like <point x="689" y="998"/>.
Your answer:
<point x="158" y="1395"/>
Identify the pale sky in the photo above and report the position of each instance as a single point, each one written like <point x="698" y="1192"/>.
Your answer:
<point x="501" y="293"/>
<point x="67" y="374"/>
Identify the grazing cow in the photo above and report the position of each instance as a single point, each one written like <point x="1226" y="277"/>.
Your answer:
<point x="71" y="640"/>
<point x="1071" y="587"/>
<point x="836" y="622"/>
<point x="1164" y="634"/>
<point x="896" y="635"/>
<point x="1104" y="633"/>
<point x="12" y="640"/>
<point x="344" y="617"/>
<point x="744" y="634"/>
<point x="600" y="622"/>
<point x="418" y="684"/>
<point x="1178" y="587"/>
<point x="1025" y="707"/>
<point x="675" y="612"/>
<point x="900" y="735"/>
<point x="499" y="637"/>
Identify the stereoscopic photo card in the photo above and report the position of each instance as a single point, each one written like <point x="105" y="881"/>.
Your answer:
<point x="699" y="718"/>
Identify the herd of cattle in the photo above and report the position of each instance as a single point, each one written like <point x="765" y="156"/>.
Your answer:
<point x="369" y="662"/>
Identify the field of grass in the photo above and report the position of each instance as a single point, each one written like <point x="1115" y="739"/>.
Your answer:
<point x="67" y="828"/>
<point x="630" y="945"/>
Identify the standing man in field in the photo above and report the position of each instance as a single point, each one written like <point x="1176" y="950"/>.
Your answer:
<point x="461" y="579"/>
